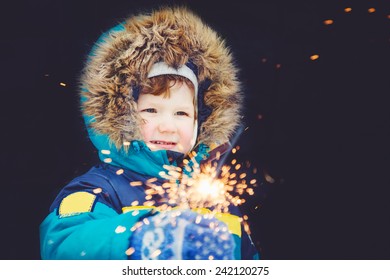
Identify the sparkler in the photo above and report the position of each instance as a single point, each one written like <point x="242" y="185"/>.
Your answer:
<point x="209" y="186"/>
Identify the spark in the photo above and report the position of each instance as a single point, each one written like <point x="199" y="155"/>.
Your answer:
<point x="135" y="203"/>
<point x="120" y="229"/>
<point x="105" y="152"/>
<point x="246" y="228"/>
<point x="371" y="10"/>
<point x="97" y="190"/>
<point x="155" y="254"/>
<point x="149" y="203"/>
<point x="62" y="84"/>
<point x="130" y="251"/>
<point x="146" y="221"/>
<point x="269" y="179"/>
<point x="151" y="180"/>
<point x="328" y="22"/>
<point x="136" y="183"/>
<point x="136" y="226"/>
<point x="314" y="57"/>
<point x="347" y="10"/>
<point x="107" y="160"/>
<point x="250" y="191"/>
<point x="232" y="182"/>
<point x="198" y="219"/>
<point x="119" y="171"/>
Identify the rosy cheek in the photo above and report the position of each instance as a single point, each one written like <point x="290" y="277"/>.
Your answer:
<point x="144" y="131"/>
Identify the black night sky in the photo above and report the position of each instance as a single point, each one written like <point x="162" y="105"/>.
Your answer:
<point x="318" y="129"/>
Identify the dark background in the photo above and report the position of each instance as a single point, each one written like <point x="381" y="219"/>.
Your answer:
<point x="319" y="129"/>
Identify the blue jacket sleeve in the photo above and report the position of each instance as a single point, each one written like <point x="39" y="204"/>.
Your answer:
<point x="100" y="234"/>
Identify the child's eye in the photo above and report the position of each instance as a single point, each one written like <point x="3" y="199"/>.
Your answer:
<point x="149" y="110"/>
<point x="182" y="113"/>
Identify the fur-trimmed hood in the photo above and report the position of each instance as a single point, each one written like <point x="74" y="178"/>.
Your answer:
<point x="122" y="58"/>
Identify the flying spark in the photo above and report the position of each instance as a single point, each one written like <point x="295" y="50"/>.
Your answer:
<point x="130" y="251"/>
<point x="314" y="57"/>
<point x="328" y="22"/>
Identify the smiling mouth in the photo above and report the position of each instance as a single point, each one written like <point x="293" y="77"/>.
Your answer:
<point x="163" y="143"/>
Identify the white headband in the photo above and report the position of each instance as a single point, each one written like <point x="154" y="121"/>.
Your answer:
<point x="161" y="68"/>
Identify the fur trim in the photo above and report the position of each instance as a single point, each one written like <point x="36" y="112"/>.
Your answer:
<point x="123" y="59"/>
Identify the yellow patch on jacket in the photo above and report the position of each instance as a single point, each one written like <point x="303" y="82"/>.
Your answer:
<point x="75" y="203"/>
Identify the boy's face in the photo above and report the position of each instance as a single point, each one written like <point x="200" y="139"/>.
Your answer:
<point x="169" y="121"/>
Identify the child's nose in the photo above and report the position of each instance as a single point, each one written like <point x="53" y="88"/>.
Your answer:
<point x="167" y="125"/>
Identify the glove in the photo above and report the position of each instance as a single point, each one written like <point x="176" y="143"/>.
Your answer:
<point x="182" y="235"/>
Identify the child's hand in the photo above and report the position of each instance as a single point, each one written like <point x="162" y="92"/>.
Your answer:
<point x="182" y="235"/>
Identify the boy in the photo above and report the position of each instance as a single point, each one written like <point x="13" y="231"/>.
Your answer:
<point x="157" y="89"/>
